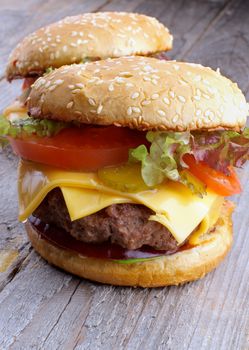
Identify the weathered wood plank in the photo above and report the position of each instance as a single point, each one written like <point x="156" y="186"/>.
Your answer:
<point x="44" y="308"/>
<point x="226" y="44"/>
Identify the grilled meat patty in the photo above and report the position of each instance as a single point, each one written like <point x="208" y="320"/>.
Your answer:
<point x="123" y="224"/>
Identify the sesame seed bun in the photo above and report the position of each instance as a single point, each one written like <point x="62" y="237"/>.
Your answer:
<point x="88" y="36"/>
<point x="181" y="267"/>
<point x="142" y="93"/>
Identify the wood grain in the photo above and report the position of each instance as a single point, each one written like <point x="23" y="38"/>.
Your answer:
<point x="44" y="308"/>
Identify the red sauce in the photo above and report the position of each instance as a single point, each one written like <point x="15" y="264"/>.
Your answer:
<point x="106" y="250"/>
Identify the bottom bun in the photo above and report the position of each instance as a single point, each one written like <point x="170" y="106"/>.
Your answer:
<point x="184" y="266"/>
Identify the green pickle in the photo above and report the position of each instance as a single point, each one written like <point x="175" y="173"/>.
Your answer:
<point x="124" y="178"/>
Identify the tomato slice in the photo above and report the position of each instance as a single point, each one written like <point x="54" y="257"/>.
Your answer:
<point x="220" y="183"/>
<point x="82" y="149"/>
<point x="28" y="82"/>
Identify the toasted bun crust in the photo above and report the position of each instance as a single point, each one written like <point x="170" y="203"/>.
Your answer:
<point x="91" y="36"/>
<point x="142" y="93"/>
<point x="173" y="269"/>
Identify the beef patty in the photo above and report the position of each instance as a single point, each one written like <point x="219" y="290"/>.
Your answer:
<point x="123" y="224"/>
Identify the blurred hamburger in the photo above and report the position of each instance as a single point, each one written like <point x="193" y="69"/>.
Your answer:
<point x="129" y="187"/>
<point x="83" y="38"/>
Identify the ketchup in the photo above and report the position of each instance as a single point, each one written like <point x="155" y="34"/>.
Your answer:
<point x="106" y="250"/>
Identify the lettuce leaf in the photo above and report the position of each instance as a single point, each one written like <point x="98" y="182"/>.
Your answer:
<point x="136" y="260"/>
<point x="164" y="158"/>
<point x="28" y="126"/>
<point x="222" y="149"/>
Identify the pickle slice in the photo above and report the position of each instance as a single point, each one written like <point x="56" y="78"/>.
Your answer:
<point x="124" y="178"/>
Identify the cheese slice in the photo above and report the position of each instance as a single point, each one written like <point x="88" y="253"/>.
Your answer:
<point x="174" y="204"/>
<point x="15" y="111"/>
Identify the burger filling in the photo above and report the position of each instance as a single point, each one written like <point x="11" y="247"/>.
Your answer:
<point x="125" y="224"/>
<point x="123" y="187"/>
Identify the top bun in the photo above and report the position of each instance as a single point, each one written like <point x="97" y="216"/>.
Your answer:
<point x="142" y="93"/>
<point x="90" y="36"/>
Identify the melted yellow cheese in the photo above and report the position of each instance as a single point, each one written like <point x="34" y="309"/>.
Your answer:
<point x="174" y="205"/>
<point x="15" y="111"/>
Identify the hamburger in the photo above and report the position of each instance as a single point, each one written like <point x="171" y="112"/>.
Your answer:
<point x="130" y="186"/>
<point x="83" y="38"/>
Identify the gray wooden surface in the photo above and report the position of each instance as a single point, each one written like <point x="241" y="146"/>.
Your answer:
<point x="44" y="308"/>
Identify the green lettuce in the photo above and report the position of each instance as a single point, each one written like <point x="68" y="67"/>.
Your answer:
<point x="136" y="260"/>
<point x="28" y="126"/>
<point x="164" y="158"/>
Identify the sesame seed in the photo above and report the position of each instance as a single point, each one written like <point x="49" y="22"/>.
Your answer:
<point x="212" y="90"/>
<point x="99" y="109"/>
<point x="147" y="68"/>
<point x="79" y="85"/>
<point x="198" y="112"/>
<point x="124" y="73"/>
<point x="129" y="110"/>
<point x="182" y="99"/>
<point x="197" y="98"/>
<point x="91" y="102"/>
<point x="111" y="87"/>
<point x="47" y="84"/>
<point x="161" y="113"/>
<point x="136" y="109"/>
<point x="172" y="94"/>
<point x="146" y="79"/>
<point x="155" y="96"/>
<point x="119" y="80"/>
<point x="73" y="45"/>
<point x="75" y="91"/>
<point x="129" y="84"/>
<point x="154" y="81"/>
<point x="71" y="87"/>
<point x="207" y="97"/>
<point x="64" y="49"/>
<point x="59" y="82"/>
<point x="145" y="102"/>
<point x="134" y="95"/>
<point x="176" y="66"/>
<point x="166" y="100"/>
<point x="70" y="105"/>
<point x="51" y="88"/>
<point x="175" y="119"/>
<point x="197" y="78"/>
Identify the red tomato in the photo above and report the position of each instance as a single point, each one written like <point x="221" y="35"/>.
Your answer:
<point x="220" y="183"/>
<point x="83" y="149"/>
<point x="28" y="82"/>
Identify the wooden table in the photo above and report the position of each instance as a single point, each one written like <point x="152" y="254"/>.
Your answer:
<point x="42" y="307"/>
